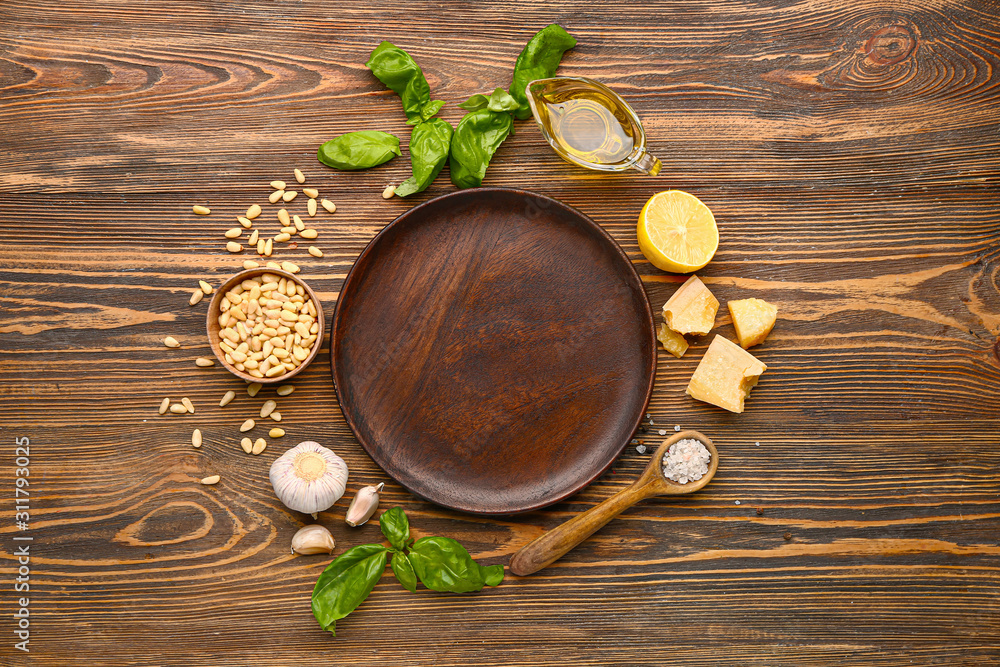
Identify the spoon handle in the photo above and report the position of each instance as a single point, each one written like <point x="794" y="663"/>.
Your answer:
<point x="554" y="544"/>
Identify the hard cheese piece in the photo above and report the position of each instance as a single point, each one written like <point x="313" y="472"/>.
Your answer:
<point x="691" y="309"/>
<point x="753" y="319"/>
<point x="673" y="342"/>
<point x="725" y="375"/>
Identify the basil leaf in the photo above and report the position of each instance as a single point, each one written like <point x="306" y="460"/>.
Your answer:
<point x="403" y="570"/>
<point x="359" y="150"/>
<point x="429" y="146"/>
<point x="396" y="527"/>
<point x="475" y="103"/>
<point x="501" y="100"/>
<point x="346" y="582"/>
<point x="444" y="565"/>
<point x="476" y="139"/>
<point x="400" y="73"/>
<point x="538" y="60"/>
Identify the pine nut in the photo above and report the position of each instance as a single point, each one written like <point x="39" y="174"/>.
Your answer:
<point x="282" y="237"/>
<point x="268" y="247"/>
<point x="203" y="362"/>
<point x="255" y="373"/>
<point x="276" y="432"/>
<point x="253" y="388"/>
<point x="247" y="425"/>
<point x="291" y="268"/>
<point x="260" y="246"/>
<point x="247" y="445"/>
<point x="227" y="398"/>
<point x="289" y="230"/>
<point x="283" y="217"/>
<point x="233" y="246"/>
<point x="312" y="193"/>
<point x="275" y="371"/>
<point x="289" y="195"/>
<point x="196" y="438"/>
<point x="329" y="205"/>
<point x="278" y="185"/>
<point x="205" y="287"/>
<point x="285" y="389"/>
<point x="276" y="416"/>
<point x="273" y="265"/>
<point x="315" y="252"/>
<point x="164" y="405"/>
<point x="299" y="176"/>
<point x="250" y="264"/>
<point x="211" y="479"/>
<point x="186" y="402"/>
<point x="389" y="192"/>
<point x="267" y="408"/>
<point x="309" y="234"/>
<point x="196" y="297"/>
<point x="253" y="238"/>
<point x="258" y="447"/>
<point x="253" y="212"/>
<point x="178" y="409"/>
<point x="170" y="341"/>
<point x="201" y="210"/>
<point x="234" y="233"/>
<point x="275" y="196"/>
<point x="311" y="207"/>
<point x="299" y="225"/>
<point x="244" y="222"/>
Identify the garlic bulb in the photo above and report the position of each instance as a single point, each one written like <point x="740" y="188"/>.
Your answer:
<point x="314" y="539"/>
<point x="363" y="506"/>
<point x="309" y="478"/>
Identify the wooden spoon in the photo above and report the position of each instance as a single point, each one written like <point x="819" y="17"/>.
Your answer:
<point x="557" y="542"/>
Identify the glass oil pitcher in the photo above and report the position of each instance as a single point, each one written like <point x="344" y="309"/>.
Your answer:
<point x="589" y="124"/>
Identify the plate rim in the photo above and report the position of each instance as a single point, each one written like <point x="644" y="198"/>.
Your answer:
<point x="631" y="272"/>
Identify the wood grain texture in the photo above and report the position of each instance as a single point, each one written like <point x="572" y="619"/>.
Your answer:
<point x="849" y="151"/>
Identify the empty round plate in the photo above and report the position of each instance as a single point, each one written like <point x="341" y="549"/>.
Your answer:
<point x="493" y="350"/>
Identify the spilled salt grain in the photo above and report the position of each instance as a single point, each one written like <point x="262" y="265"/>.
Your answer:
<point x="641" y="449"/>
<point x="677" y="428"/>
<point x="663" y="431"/>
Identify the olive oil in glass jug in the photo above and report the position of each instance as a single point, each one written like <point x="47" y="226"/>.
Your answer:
<point x="590" y="125"/>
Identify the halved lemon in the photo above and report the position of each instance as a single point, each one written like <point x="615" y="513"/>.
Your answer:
<point x="677" y="232"/>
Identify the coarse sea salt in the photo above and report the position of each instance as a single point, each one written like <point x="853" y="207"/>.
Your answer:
<point x="686" y="461"/>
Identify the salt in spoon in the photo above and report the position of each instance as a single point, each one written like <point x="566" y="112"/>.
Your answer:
<point x="554" y="544"/>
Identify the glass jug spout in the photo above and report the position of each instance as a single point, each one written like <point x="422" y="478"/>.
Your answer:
<point x="647" y="164"/>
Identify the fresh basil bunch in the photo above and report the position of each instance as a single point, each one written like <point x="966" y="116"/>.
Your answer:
<point x="440" y="563"/>
<point x="490" y="119"/>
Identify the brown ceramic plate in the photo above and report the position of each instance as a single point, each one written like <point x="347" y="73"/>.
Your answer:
<point x="493" y="350"/>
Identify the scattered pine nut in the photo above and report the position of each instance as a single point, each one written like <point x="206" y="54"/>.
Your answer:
<point x="260" y="247"/>
<point x="276" y="416"/>
<point x="282" y="237"/>
<point x="201" y="210"/>
<point x="315" y="252"/>
<point x="203" y="362"/>
<point x="267" y="408"/>
<point x="196" y="296"/>
<point x="196" y="438"/>
<point x="205" y="287"/>
<point x="276" y="432"/>
<point x="289" y="230"/>
<point x="170" y="341"/>
<point x="186" y="402"/>
<point x="273" y="265"/>
<point x="233" y="246"/>
<point x="253" y="212"/>
<point x="178" y="409"/>
<point x="299" y="176"/>
<point x="253" y="388"/>
<point x="253" y="238"/>
<point x="299" y="225"/>
<point x="290" y="267"/>
<point x="164" y="405"/>
<point x="309" y="234"/>
<point x="278" y="185"/>
<point x="259" y="446"/>
<point x="311" y="207"/>
<point x="250" y="264"/>
<point x="211" y="479"/>
<point x="285" y="389"/>
<point x="268" y="247"/>
<point x="233" y="233"/>
<point x="247" y="425"/>
<point x="289" y="195"/>
<point x="283" y="217"/>
<point x="389" y="192"/>
<point x="312" y="193"/>
<point x="247" y="445"/>
<point x="329" y="206"/>
<point x="275" y="196"/>
<point x="244" y="222"/>
<point x="227" y="398"/>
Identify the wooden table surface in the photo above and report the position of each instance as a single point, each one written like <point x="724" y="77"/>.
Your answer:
<point x="851" y="154"/>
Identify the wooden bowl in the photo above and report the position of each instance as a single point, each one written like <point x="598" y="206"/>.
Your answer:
<point x="212" y="323"/>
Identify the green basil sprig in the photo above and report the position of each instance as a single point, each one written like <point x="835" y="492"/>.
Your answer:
<point x="538" y="60"/>
<point x="499" y="100"/>
<point x="440" y="563"/>
<point x="476" y="139"/>
<point x="359" y="150"/>
<point x="430" y="144"/>
<point x="400" y="73"/>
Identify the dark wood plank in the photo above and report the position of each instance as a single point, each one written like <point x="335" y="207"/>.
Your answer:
<point x="850" y="154"/>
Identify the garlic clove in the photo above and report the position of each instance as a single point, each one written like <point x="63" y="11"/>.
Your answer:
<point x="314" y="539"/>
<point x="363" y="505"/>
<point x="309" y="478"/>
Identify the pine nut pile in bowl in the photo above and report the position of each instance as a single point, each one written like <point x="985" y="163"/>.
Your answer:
<point x="265" y="325"/>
